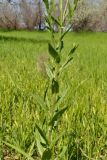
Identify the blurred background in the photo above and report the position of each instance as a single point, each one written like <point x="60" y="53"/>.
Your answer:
<point x="90" y="15"/>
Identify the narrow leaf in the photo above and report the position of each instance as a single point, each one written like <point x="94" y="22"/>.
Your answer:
<point x="39" y="146"/>
<point x="69" y="60"/>
<point x="46" y="4"/>
<point x="63" y="35"/>
<point x="73" y="49"/>
<point x="46" y="91"/>
<point x="42" y="134"/>
<point x="75" y="3"/>
<point x="31" y="148"/>
<point x="65" y="64"/>
<point x="55" y="20"/>
<point x="57" y="116"/>
<point x="53" y="53"/>
<point x="49" y="27"/>
<point x="61" y="45"/>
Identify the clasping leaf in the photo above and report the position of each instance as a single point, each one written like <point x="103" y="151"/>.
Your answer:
<point x="55" y="86"/>
<point x="53" y="53"/>
<point x="57" y="115"/>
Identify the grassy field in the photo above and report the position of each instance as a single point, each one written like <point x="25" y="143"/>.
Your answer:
<point x="82" y="134"/>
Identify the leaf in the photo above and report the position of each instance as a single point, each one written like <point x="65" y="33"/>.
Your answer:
<point x="39" y="146"/>
<point x="46" y="91"/>
<point x="31" y="148"/>
<point x="42" y="134"/>
<point x="47" y="154"/>
<point x="76" y="2"/>
<point x="55" y="86"/>
<point x="49" y="27"/>
<point x="63" y="35"/>
<point x="19" y="150"/>
<point x="66" y="64"/>
<point x="69" y="60"/>
<point x="73" y="49"/>
<point x="61" y="45"/>
<point x="53" y="53"/>
<point x="60" y="100"/>
<point x="55" y="20"/>
<point x="57" y="116"/>
<point x="49" y="72"/>
<point x="46" y="4"/>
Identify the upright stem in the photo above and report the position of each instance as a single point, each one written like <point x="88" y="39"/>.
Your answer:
<point x="61" y="12"/>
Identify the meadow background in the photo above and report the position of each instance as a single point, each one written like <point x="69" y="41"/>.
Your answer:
<point x="84" y="126"/>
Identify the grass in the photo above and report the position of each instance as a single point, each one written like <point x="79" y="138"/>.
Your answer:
<point x="84" y="126"/>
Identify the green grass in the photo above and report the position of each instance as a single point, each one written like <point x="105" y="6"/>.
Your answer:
<point x="84" y="125"/>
